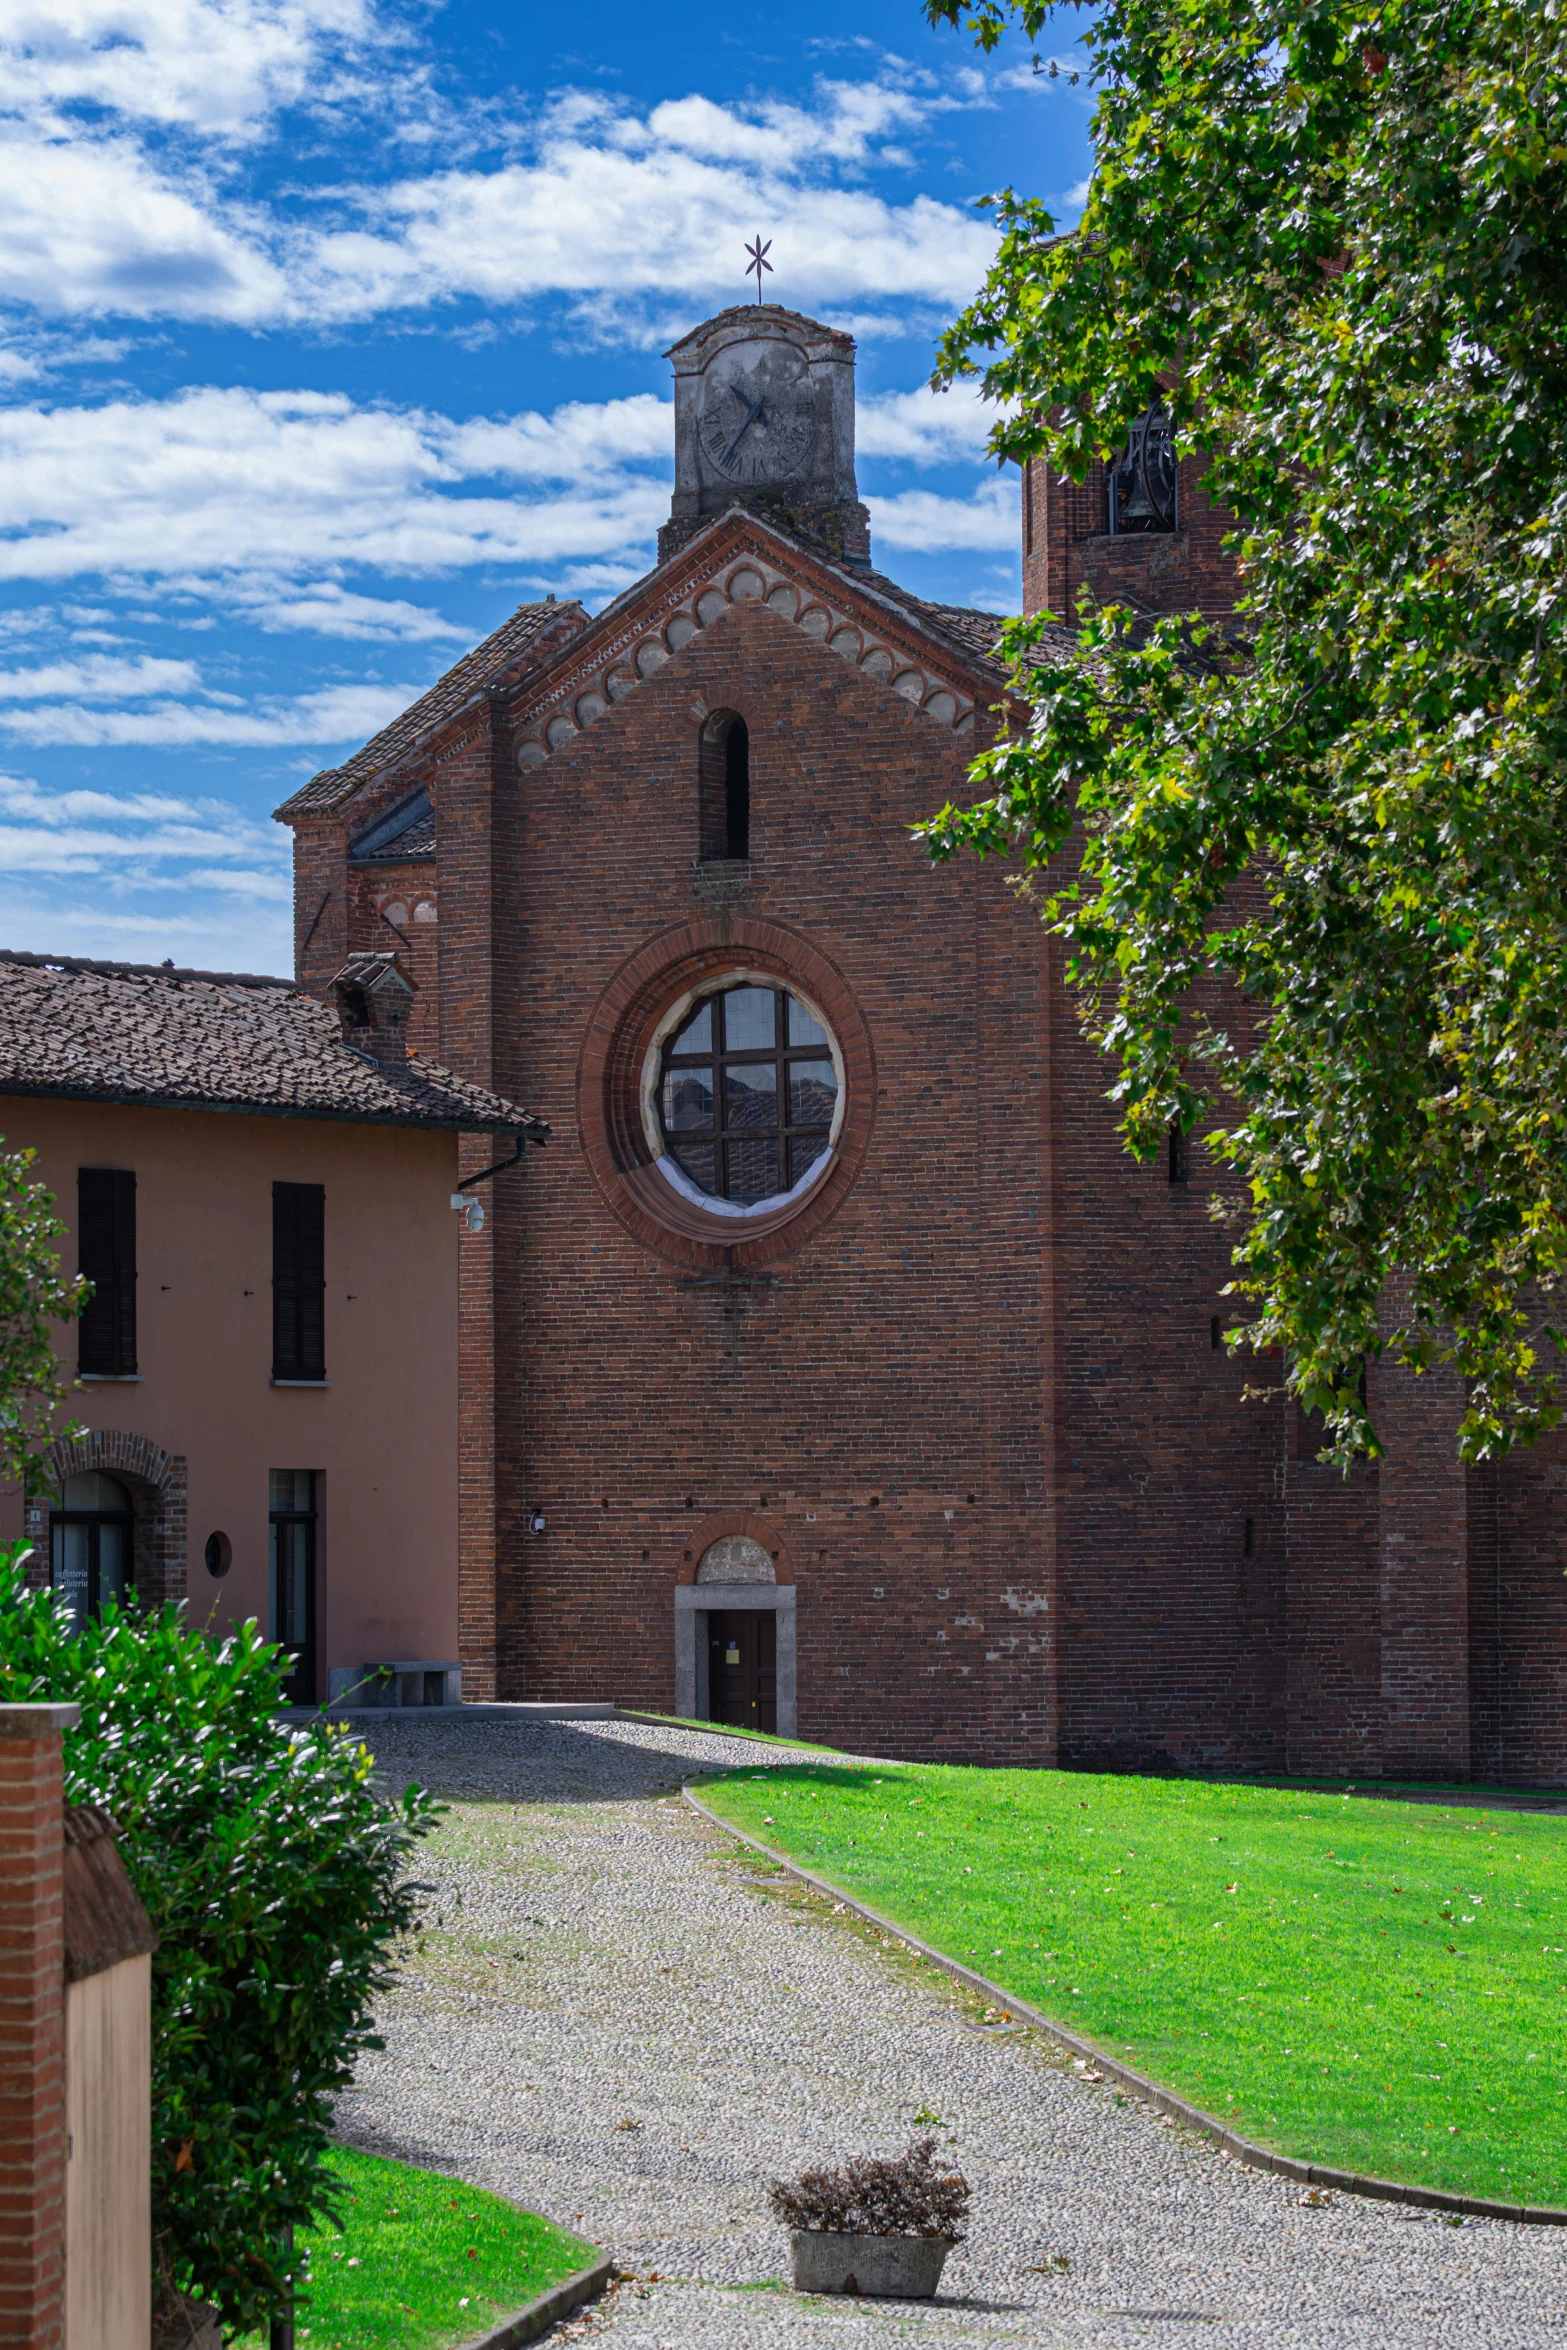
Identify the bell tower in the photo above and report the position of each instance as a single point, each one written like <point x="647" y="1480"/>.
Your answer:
<point x="764" y="418"/>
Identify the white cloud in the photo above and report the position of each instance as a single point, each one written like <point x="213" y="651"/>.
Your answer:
<point x="264" y="488"/>
<point x="339" y="714"/>
<point x="132" y="843"/>
<point x="217" y="66"/>
<point x="612" y="209"/>
<point x="322" y="608"/>
<point x="924" y="427"/>
<point x="929" y="524"/>
<point x="94" y="227"/>
<point x="98" y="678"/>
<point x="590" y="212"/>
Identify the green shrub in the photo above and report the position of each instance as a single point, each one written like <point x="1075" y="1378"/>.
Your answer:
<point x="277" y="1880"/>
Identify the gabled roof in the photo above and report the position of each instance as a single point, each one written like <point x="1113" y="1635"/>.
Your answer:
<point x="976" y="633"/>
<point x="934" y="657"/>
<point x="509" y="644"/>
<point x="215" y="1040"/>
<point x="939" y="657"/>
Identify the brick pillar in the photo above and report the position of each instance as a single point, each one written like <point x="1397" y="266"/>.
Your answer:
<point x="1423" y="1509"/>
<point x="32" y="2026"/>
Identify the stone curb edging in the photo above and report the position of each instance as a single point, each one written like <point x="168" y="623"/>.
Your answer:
<point x="1236" y="2149"/>
<point x="546" y="2309"/>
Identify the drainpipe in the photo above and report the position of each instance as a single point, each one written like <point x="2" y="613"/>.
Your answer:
<point x="471" y="1211"/>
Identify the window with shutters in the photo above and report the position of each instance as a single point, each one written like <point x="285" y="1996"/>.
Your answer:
<point x="298" y="1281"/>
<point x="106" y="1256"/>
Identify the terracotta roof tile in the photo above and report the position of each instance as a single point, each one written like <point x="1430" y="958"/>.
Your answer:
<point x="469" y="676"/>
<point x="214" y="1040"/>
<point x="975" y="633"/>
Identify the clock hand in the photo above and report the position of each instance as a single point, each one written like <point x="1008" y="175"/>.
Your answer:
<point x="757" y="411"/>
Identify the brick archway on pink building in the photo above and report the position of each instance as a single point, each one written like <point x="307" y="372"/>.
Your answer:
<point x="155" y="1480"/>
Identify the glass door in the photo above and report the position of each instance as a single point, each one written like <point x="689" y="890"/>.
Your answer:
<point x="90" y="1545"/>
<point x="292" y="1515"/>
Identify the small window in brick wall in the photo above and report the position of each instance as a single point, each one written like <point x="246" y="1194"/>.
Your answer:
<point x="1179" y="1157"/>
<point x="106" y="1256"/>
<point x="725" y="788"/>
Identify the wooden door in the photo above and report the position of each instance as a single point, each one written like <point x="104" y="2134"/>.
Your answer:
<point x="742" y="1668"/>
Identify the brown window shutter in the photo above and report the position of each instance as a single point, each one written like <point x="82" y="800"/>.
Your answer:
<point x="298" y="1281"/>
<point x="106" y="1255"/>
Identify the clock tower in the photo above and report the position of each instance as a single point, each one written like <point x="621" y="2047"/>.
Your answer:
<point x="764" y="418"/>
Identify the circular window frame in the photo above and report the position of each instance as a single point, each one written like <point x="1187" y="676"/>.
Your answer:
<point x="651" y="1088"/>
<point x="618" y="1124"/>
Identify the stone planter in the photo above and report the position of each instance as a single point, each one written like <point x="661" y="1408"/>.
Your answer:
<point x="893" y="2268"/>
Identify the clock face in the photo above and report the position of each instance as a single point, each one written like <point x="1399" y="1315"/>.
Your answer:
<point x="756" y="412"/>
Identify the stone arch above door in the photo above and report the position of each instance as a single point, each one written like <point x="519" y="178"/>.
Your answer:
<point x="735" y="1558"/>
<point x="156" y="1482"/>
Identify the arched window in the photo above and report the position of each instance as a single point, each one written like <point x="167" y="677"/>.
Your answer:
<point x="90" y="1537"/>
<point x="747" y="1093"/>
<point x="725" y="776"/>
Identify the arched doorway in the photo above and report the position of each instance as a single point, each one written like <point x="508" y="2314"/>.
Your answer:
<point x="92" y="1537"/>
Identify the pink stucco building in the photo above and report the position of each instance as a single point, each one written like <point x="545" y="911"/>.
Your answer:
<point x="261" y="1187"/>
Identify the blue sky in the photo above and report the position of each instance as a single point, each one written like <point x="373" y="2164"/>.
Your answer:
<point x="331" y="330"/>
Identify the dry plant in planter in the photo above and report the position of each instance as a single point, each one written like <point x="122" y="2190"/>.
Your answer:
<point x="882" y="2227"/>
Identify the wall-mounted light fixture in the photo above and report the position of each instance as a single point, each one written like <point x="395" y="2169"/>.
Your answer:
<point x="536" y="1522"/>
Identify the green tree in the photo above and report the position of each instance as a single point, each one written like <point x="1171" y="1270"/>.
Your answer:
<point x="277" y="1880"/>
<point x="1309" y="873"/>
<point x="35" y="1296"/>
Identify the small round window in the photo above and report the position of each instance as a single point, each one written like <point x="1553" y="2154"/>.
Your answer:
<point x="749" y="1095"/>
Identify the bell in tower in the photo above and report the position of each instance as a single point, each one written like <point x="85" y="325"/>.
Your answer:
<point x="764" y="418"/>
<point x="1143" y="478"/>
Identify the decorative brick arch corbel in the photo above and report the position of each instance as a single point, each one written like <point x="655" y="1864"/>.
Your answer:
<point x="156" y="1481"/>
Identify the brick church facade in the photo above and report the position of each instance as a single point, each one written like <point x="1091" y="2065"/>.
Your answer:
<point x="833" y="1367"/>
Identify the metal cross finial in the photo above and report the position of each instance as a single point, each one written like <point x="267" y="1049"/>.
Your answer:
<point x="759" y="261"/>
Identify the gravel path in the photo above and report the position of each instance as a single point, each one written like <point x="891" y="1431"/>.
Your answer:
<point x="630" y="2023"/>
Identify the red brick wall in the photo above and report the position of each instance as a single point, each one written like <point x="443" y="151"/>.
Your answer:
<point x="1066" y="547"/>
<point x="32" y="2029"/>
<point x="884" y="1399"/>
<point x="977" y="1406"/>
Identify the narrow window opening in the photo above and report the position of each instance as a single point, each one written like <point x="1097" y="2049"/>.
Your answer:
<point x="1215" y="1334"/>
<point x="1028" y="505"/>
<point x="737" y="789"/>
<point x="106" y="1256"/>
<point x="1248" y="1539"/>
<point x="1179" y="1166"/>
<point x="724" y="815"/>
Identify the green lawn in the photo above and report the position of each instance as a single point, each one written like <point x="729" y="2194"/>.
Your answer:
<point x="423" y="2260"/>
<point x="1373" y="1985"/>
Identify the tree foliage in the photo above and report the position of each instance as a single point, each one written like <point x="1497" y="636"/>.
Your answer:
<point x="1332" y="233"/>
<point x="34" y="1297"/>
<point x="276" y="1879"/>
